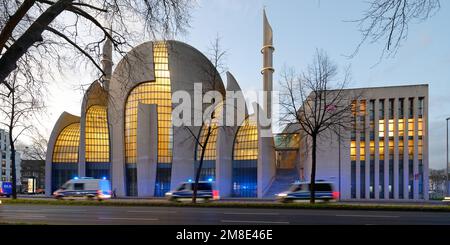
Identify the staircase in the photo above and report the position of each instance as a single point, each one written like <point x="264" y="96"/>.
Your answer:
<point x="283" y="180"/>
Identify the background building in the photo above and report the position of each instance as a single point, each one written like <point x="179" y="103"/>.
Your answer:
<point x="33" y="175"/>
<point x="5" y="158"/>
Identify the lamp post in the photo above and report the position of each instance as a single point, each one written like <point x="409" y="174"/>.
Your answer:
<point x="447" y="163"/>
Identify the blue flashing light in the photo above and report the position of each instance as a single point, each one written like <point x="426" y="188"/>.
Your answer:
<point x="104" y="178"/>
<point x="189" y="180"/>
<point x="210" y="179"/>
<point x="75" y="177"/>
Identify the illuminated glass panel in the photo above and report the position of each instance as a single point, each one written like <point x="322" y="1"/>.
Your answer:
<point x="381" y="128"/>
<point x="246" y="142"/>
<point x="353" y="151"/>
<point x="210" y="151"/>
<point x="381" y="149"/>
<point x="411" y="127"/>
<point x="401" y="127"/>
<point x="66" y="146"/>
<point x="419" y="126"/>
<point x="362" y="151"/>
<point x="155" y="92"/>
<point x="391" y="149"/>
<point x="391" y="128"/>
<point x="97" y="135"/>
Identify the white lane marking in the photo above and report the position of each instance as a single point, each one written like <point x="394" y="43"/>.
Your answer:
<point x="64" y="210"/>
<point x="23" y="217"/>
<point x="127" y="218"/>
<point x="254" y="221"/>
<point x="150" y="211"/>
<point x="366" y="216"/>
<point x="252" y="213"/>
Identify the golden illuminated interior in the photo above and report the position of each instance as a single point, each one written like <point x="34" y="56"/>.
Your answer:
<point x="246" y="142"/>
<point x="66" y="145"/>
<point x="381" y="149"/>
<point x="381" y="128"/>
<point x="362" y="151"/>
<point x="391" y="128"/>
<point x="391" y="148"/>
<point x="420" y="126"/>
<point x="411" y="127"/>
<point x="353" y="150"/>
<point x="156" y="92"/>
<point x="411" y="149"/>
<point x="97" y="135"/>
<point x="372" y="149"/>
<point x="401" y="127"/>
<point x="401" y="148"/>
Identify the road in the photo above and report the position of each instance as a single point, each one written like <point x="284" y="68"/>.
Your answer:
<point x="83" y="215"/>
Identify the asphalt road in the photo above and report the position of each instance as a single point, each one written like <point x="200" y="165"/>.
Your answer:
<point x="84" y="215"/>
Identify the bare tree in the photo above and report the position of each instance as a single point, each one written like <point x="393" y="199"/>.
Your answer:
<point x="388" y="20"/>
<point x="19" y="109"/>
<point x="209" y="121"/>
<point x="35" y="26"/>
<point x="37" y="148"/>
<point x="316" y="103"/>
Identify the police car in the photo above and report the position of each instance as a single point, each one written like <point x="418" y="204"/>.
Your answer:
<point x="84" y="188"/>
<point x="185" y="191"/>
<point x="301" y="191"/>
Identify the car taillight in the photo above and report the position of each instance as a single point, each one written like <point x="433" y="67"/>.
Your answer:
<point x="1" y="190"/>
<point x="215" y="194"/>
<point x="335" y="194"/>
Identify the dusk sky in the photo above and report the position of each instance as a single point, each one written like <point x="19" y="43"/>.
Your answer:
<point x="299" y="28"/>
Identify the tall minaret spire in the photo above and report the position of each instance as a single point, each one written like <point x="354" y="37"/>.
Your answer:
<point x="107" y="63"/>
<point x="267" y="70"/>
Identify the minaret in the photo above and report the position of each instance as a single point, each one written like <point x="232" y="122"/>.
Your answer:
<point x="267" y="70"/>
<point x="107" y="63"/>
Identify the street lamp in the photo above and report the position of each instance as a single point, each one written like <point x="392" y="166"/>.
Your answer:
<point x="447" y="163"/>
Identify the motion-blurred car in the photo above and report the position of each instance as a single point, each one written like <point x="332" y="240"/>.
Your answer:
<point x="84" y="188"/>
<point x="5" y="188"/>
<point x="185" y="191"/>
<point x="301" y="191"/>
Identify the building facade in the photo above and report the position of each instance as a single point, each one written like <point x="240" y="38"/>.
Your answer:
<point x="385" y="154"/>
<point x="33" y="176"/>
<point x="5" y="158"/>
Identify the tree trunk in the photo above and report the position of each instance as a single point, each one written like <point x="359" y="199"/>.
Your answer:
<point x="313" y="170"/>
<point x="32" y="35"/>
<point x="200" y="165"/>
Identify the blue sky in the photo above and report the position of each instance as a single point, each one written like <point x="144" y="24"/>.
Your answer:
<point x="299" y="28"/>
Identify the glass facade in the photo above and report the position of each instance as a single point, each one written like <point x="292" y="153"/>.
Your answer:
<point x="65" y="155"/>
<point x="245" y="157"/>
<point x="97" y="135"/>
<point x="66" y="145"/>
<point x="97" y="142"/>
<point x="156" y="92"/>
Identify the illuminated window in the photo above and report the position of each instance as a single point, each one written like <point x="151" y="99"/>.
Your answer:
<point x="246" y="142"/>
<point x="66" y="146"/>
<point x="419" y="126"/>
<point x="210" y="151"/>
<point x="420" y="149"/>
<point x="411" y="149"/>
<point x="381" y="128"/>
<point x="159" y="93"/>
<point x="381" y="149"/>
<point x="401" y="127"/>
<point x="97" y="135"/>
<point x="353" y="151"/>
<point x="391" y="128"/>
<point x="362" y="151"/>
<point x="372" y="150"/>
<point x="411" y="127"/>
<point x="391" y="149"/>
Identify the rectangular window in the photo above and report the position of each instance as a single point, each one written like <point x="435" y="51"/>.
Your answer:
<point x="381" y="109"/>
<point x="411" y="107"/>
<point x="401" y="102"/>
<point x="353" y="179"/>
<point x="420" y="109"/>
<point x="363" y="179"/>
<point x="391" y="108"/>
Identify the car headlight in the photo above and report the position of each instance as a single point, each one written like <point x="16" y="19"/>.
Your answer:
<point x="282" y="194"/>
<point x="168" y="193"/>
